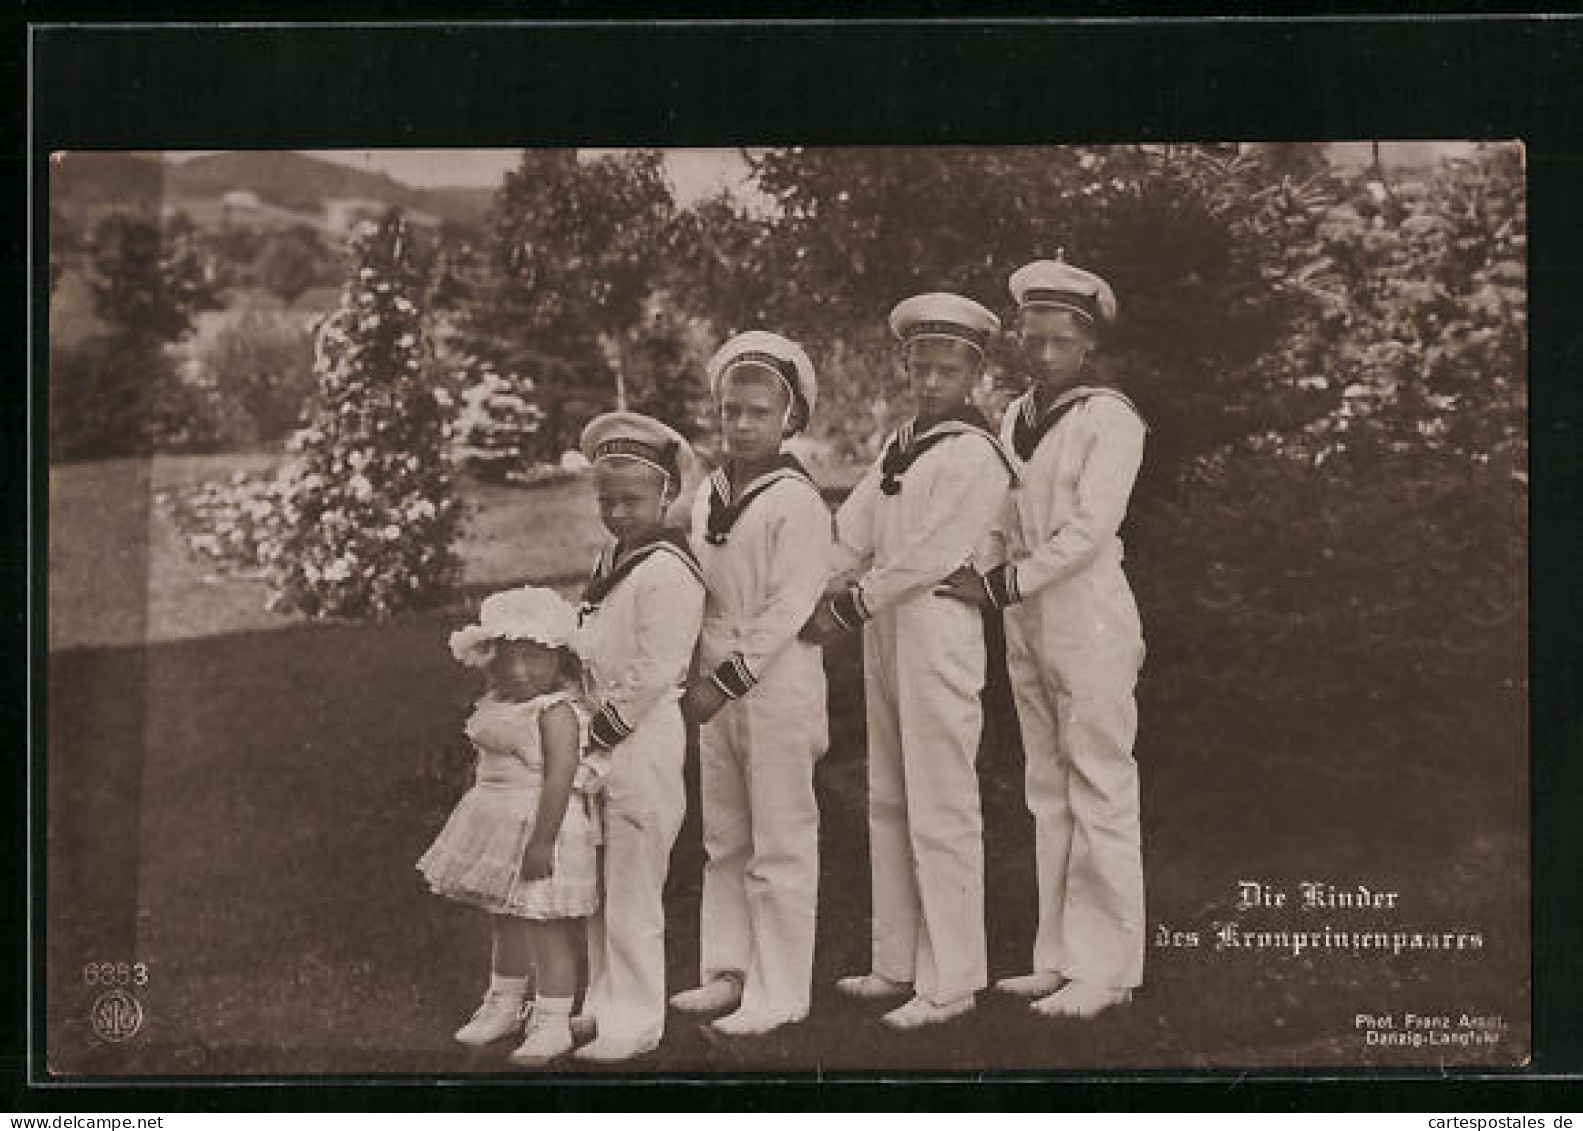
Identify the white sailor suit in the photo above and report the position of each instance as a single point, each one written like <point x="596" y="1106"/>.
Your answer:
<point x="764" y="553"/>
<point x="640" y="622"/>
<point x="919" y="514"/>
<point x="1074" y="648"/>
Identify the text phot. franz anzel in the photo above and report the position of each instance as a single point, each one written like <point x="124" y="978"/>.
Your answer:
<point x="1247" y="606"/>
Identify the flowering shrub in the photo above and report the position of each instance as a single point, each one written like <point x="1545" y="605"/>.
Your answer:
<point x="496" y="423"/>
<point x="366" y="507"/>
<point x="233" y="523"/>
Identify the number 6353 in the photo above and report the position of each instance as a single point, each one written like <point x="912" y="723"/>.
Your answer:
<point x="115" y="973"/>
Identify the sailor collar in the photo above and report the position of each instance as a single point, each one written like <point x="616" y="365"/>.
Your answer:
<point x="1032" y="425"/>
<point x="908" y="444"/>
<point x="616" y="563"/>
<point x="724" y="510"/>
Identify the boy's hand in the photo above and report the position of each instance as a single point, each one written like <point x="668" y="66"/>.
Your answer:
<point x="965" y="584"/>
<point x="703" y="700"/>
<point x="538" y="861"/>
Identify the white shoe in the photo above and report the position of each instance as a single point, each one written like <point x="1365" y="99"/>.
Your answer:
<point x="499" y="1016"/>
<point x="711" y="997"/>
<point x="613" y="1050"/>
<point x="548" y="1037"/>
<point x="1081" y="999"/>
<point x="871" y="987"/>
<point x="1041" y="983"/>
<point x="743" y="1023"/>
<point x="920" y="1011"/>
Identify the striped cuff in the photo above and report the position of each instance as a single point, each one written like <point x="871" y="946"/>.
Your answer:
<point x="733" y="677"/>
<point x="608" y="728"/>
<point x="1001" y="585"/>
<point x="849" y="609"/>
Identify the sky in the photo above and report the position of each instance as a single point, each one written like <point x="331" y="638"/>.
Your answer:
<point x="694" y="173"/>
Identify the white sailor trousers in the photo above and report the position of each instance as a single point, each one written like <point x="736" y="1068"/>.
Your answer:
<point x="644" y="804"/>
<point x="761" y="833"/>
<point x="1073" y="652"/>
<point x="923" y="673"/>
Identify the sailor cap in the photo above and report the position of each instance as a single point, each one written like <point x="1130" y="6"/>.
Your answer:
<point x="1052" y="284"/>
<point x="633" y="436"/>
<point x="944" y="315"/>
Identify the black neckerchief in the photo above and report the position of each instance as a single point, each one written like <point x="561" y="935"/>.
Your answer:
<point x="724" y="511"/>
<point x="616" y="564"/>
<point x="1032" y="425"/>
<point x="905" y="446"/>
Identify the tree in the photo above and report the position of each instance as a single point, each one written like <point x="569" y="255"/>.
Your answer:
<point x="117" y="393"/>
<point x="292" y="261"/>
<point x="368" y="512"/>
<point x="578" y="245"/>
<point x="148" y="281"/>
<point x="853" y="231"/>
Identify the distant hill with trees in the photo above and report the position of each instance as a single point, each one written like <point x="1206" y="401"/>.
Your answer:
<point x="83" y="183"/>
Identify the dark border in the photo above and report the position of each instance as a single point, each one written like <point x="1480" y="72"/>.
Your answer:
<point x="872" y="82"/>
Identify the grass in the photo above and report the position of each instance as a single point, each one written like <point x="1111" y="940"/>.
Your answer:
<point x="247" y="825"/>
<point x="241" y="809"/>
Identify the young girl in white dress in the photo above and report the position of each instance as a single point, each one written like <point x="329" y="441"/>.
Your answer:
<point x="522" y="843"/>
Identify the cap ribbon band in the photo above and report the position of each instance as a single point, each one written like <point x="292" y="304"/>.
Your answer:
<point x="978" y="339"/>
<point x="1086" y="305"/>
<point x="662" y="460"/>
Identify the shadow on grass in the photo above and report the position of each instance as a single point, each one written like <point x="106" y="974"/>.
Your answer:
<point x="242" y="814"/>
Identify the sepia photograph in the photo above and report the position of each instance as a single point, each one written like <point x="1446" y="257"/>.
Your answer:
<point x="527" y="612"/>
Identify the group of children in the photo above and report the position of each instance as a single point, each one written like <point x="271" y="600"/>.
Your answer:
<point x="581" y="732"/>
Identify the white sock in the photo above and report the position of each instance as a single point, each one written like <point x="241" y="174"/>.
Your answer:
<point x="503" y="986"/>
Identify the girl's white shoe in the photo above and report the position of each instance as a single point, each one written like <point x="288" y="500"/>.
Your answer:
<point x="1082" y="1000"/>
<point x="499" y="1016"/>
<point x="548" y="1037"/>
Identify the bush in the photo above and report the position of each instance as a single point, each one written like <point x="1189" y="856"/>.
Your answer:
<point x="256" y="379"/>
<point x="1370" y="616"/>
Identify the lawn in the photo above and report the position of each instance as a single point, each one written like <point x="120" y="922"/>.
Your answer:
<point x="120" y="572"/>
<point x="240" y="809"/>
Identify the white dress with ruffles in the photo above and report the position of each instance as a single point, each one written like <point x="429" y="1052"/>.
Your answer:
<point x="477" y="858"/>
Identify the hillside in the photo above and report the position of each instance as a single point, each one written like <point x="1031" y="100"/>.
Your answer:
<point x="296" y="182"/>
<point x="88" y="180"/>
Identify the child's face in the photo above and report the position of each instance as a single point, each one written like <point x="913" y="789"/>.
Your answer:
<point x="523" y="669"/>
<point x="753" y="407"/>
<point x="943" y="372"/>
<point x="1056" y="344"/>
<point x="631" y="495"/>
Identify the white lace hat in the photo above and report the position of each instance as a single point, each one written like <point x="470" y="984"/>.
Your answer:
<point x="529" y="613"/>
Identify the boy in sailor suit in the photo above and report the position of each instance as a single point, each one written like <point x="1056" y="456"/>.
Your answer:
<point x="761" y="532"/>
<point x="918" y="515"/>
<point x="640" y="620"/>
<point x="1074" y="646"/>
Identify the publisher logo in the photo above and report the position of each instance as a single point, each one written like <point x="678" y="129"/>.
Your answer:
<point x="116" y="1016"/>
